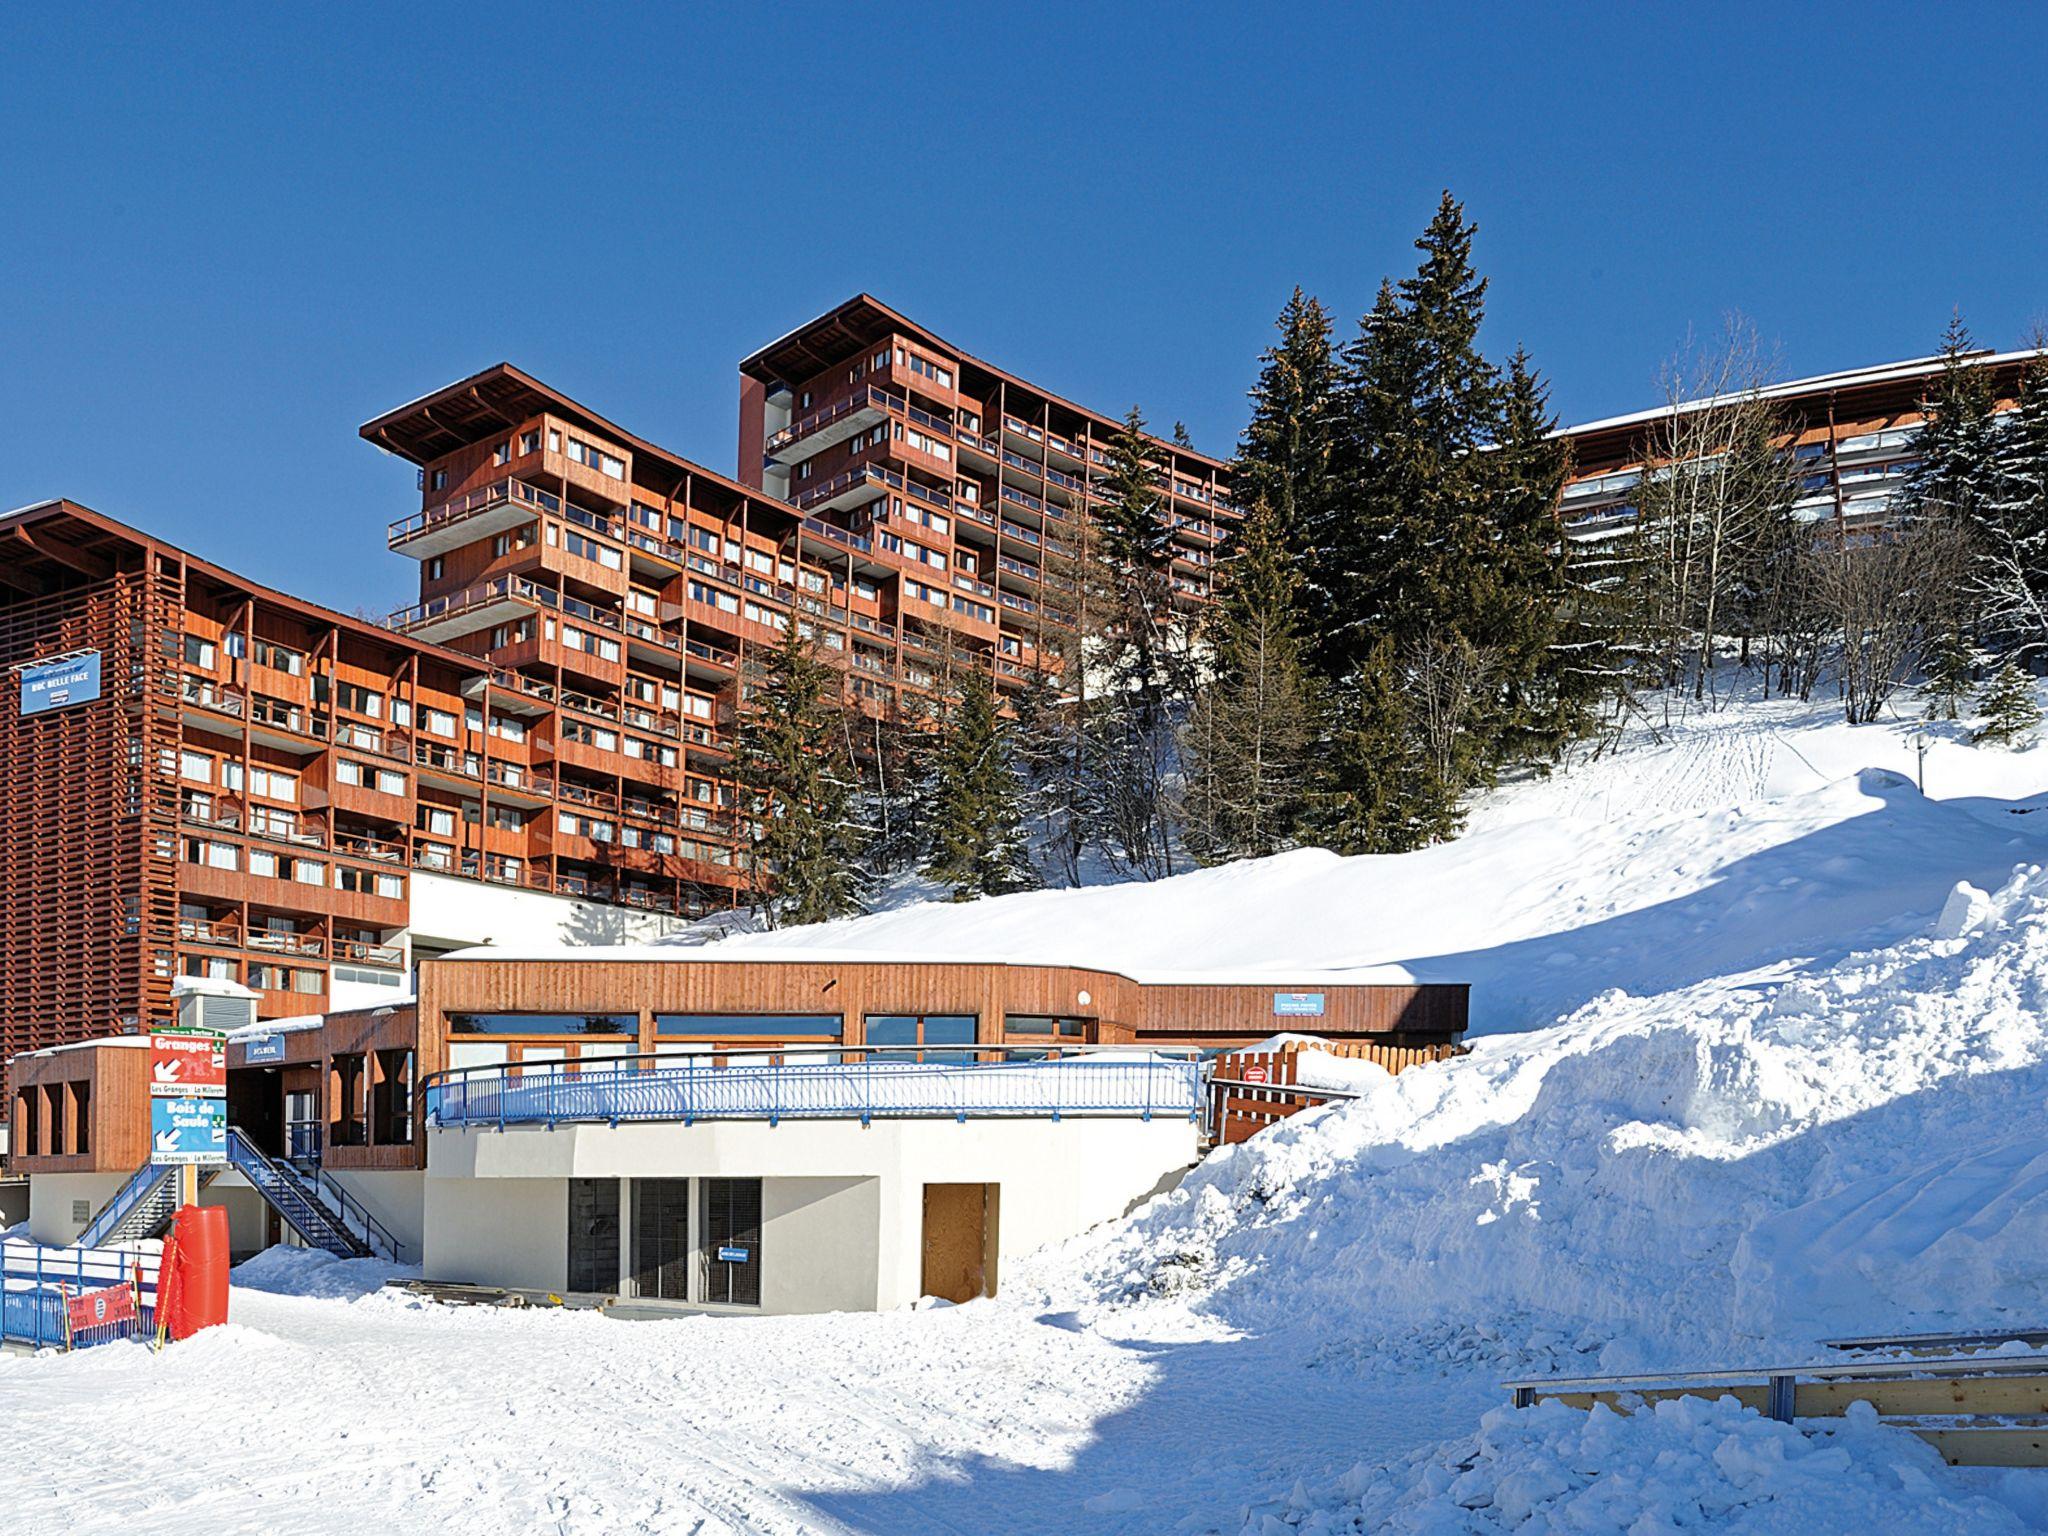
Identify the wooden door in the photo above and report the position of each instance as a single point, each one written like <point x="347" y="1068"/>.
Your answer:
<point x="960" y="1223"/>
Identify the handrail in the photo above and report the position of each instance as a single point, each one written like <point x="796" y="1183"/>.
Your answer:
<point x="818" y="1081"/>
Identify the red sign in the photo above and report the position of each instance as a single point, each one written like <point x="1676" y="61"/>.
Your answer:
<point x="96" y="1309"/>
<point x="183" y="1066"/>
<point x="1255" y="1074"/>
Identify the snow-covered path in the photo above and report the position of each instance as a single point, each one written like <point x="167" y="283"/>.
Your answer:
<point x="383" y="1414"/>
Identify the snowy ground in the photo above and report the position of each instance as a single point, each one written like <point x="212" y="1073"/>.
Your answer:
<point x="1755" y="1074"/>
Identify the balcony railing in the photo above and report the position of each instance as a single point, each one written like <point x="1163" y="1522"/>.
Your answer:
<point x="803" y="1082"/>
<point x="484" y="498"/>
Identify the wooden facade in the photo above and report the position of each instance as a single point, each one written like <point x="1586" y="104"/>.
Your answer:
<point x="83" y="1109"/>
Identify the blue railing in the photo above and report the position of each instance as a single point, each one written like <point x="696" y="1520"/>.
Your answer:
<point x="33" y="1280"/>
<point x="146" y="1182"/>
<point x="865" y="1084"/>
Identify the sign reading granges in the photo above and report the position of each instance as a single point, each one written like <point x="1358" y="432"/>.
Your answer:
<point x="188" y="1108"/>
<point x="48" y="685"/>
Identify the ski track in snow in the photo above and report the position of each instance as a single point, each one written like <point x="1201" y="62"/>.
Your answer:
<point x="1753" y="1072"/>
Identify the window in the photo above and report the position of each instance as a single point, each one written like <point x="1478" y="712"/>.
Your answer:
<point x="440" y="723"/>
<point x="440" y="479"/>
<point x="529" y="442"/>
<point x="199" y="652"/>
<point x="262" y="862"/>
<point x="594" y="1236"/>
<point x="922" y="1030"/>
<point x="309" y="872"/>
<point x="502" y="454"/>
<point x="751" y="1026"/>
<point x="361" y="700"/>
<point x="543" y="1024"/>
<point x="390" y="782"/>
<point x="1039" y="1024"/>
<point x="280" y="658"/>
<point x="592" y="457"/>
<point x="196" y="766"/>
<point x="661" y="1238"/>
<point x="436" y="819"/>
<point x="273" y="785"/>
<point x="729" y="1260"/>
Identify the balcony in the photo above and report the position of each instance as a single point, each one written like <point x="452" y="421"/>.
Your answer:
<point x="866" y="483"/>
<point x="480" y="607"/>
<point x="834" y="424"/>
<point x="488" y="510"/>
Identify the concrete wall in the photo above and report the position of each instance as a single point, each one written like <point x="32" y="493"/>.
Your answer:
<point x="509" y="1232"/>
<point x="13" y="1202"/>
<point x="396" y="1197"/>
<point x="53" y="1198"/>
<point x="843" y="1204"/>
<point x="246" y="1212"/>
<point x="464" y="912"/>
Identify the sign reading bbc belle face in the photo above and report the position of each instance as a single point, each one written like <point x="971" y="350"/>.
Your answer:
<point x="188" y="1130"/>
<point x="52" y="685"/>
<point x="188" y="1065"/>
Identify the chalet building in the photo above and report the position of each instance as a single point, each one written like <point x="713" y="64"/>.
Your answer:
<point x="765" y="1130"/>
<point x="1851" y="435"/>
<point x="203" y="777"/>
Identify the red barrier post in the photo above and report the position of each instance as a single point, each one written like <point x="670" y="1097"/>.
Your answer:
<point x="199" y="1253"/>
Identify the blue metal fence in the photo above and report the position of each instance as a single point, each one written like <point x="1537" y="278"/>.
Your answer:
<point x="866" y="1084"/>
<point x="33" y="1280"/>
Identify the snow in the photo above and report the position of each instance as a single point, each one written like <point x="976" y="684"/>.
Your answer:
<point x="1763" y="1061"/>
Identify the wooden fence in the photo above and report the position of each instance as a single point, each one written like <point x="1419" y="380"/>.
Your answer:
<point x="1250" y="1090"/>
<point x="1978" y="1410"/>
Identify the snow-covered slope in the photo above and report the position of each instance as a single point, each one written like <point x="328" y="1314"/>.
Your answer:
<point x="1766" y="833"/>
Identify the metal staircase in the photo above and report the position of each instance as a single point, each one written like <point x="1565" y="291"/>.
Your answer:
<point x="319" y="1210"/>
<point x="140" y="1208"/>
<point x="294" y="1199"/>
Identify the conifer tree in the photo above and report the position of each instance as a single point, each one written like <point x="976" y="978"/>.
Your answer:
<point x="2011" y="716"/>
<point x="1948" y="668"/>
<point x="1368" y="790"/>
<point x="977" y="842"/>
<point x="2010" y="574"/>
<point x="1284" y="457"/>
<point x="1181" y="436"/>
<point x="790" y="754"/>
<point x="1958" y="443"/>
<point x="1143" y="663"/>
<point x="1247" y="745"/>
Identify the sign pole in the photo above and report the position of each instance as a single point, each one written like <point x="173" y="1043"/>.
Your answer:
<point x="188" y="1184"/>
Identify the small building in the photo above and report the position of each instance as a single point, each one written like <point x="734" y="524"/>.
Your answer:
<point x="743" y="1129"/>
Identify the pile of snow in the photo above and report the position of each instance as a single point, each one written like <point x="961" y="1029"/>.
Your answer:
<point x="283" y="1271"/>
<point x="1753" y="1162"/>
<point x="1682" y="1465"/>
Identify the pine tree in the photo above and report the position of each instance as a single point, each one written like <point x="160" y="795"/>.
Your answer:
<point x="2010" y="572"/>
<point x="2007" y="704"/>
<point x="1052" y="762"/>
<point x="1247" y="743"/>
<point x="1181" y="436"/>
<point x="1948" y="669"/>
<point x="1284" y="457"/>
<point x="977" y="843"/>
<point x="1958" y="443"/>
<point x="1369" y="792"/>
<point x="790" y="755"/>
<point x="1143" y="663"/>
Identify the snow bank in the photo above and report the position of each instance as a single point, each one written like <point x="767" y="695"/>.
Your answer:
<point x="1750" y="1163"/>
<point x="1688" y="1464"/>
<point x="285" y="1271"/>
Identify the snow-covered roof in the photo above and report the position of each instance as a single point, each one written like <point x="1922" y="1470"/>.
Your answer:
<point x="1358" y="976"/>
<point x="1882" y="373"/>
<point x="90" y="1045"/>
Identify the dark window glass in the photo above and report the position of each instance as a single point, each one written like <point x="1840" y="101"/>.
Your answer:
<point x="732" y="1241"/>
<point x="661" y="1238"/>
<point x="594" y="1236"/>
<point x="543" y="1024"/>
<point x="1043" y="1024"/>
<point x="925" y="1029"/>
<point x="771" y="1026"/>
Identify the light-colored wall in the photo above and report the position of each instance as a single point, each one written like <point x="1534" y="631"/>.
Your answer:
<point x="246" y="1211"/>
<point x="446" y="911"/>
<point x="50" y="1196"/>
<point x="13" y="1202"/>
<point x="509" y="1232"/>
<point x="396" y="1197"/>
<point x="852" y="1197"/>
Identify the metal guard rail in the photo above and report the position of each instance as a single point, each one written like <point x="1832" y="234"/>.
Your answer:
<point x="864" y="1083"/>
<point x="32" y="1303"/>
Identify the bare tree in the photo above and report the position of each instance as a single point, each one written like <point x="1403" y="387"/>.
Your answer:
<point x="1713" y="505"/>
<point x="1883" y="588"/>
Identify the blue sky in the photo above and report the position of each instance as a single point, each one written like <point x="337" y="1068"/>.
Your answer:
<point x="230" y="234"/>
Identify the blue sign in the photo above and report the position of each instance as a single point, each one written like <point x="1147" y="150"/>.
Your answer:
<point x="188" y="1130"/>
<point x="1298" y="1005"/>
<point x="260" y="1048"/>
<point x="732" y="1255"/>
<point x="54" y="684"/>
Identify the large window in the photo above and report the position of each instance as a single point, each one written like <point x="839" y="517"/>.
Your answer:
<point x="925" y="1029"/>
<point x="543" y="1024"/>
<point x="751" y="1026"/>
<point x="661" y="1238"/>
<point x="730" y="1250"/>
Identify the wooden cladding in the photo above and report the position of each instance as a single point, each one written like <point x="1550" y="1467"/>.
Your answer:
<point x="1258" y="1089"/>
<point x="84" y="1110"/>
<point x="1114" y="1007"/>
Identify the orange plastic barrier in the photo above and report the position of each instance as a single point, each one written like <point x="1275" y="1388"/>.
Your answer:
<point x="196" y="1272"/>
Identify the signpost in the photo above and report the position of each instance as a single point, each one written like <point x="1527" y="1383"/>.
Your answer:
<point x="1298" y="1005"/>
<point x="257" y="1049"/>
<point x="188" y="1102"/>
<point x="58" y="683"/>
